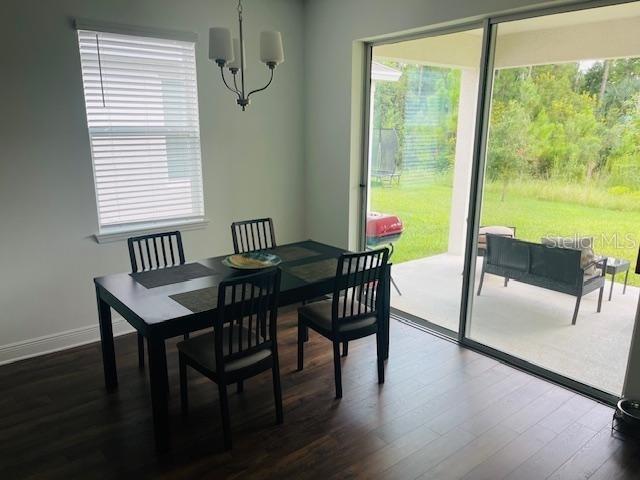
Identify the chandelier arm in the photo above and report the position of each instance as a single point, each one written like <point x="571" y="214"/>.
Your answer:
<point x="235" y="83"/>
<point x="263" y="88"/>
<point x="227" y="85"/>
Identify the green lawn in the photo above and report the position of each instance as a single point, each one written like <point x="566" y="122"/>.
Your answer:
<point x="424" y="208"/>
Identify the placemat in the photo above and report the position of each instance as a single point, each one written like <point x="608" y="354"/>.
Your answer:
<point x="198" y="300"/>
<point x="315" y="271"/>
<point x="170" y="275"/>
<point x="207" y="298"/>
<point x="292" y="253"/>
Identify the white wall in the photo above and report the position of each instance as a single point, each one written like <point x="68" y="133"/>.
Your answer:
<point x="252" y="162"/>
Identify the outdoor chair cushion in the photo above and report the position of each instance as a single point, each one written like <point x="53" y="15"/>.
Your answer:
<point x="584" y="244"/>
<point x="494" y="230"/>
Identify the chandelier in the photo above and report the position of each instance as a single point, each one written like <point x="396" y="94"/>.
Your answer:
<point x="231" y="54"/>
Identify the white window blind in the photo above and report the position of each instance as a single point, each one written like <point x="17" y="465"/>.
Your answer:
<point x="142" y="111"/>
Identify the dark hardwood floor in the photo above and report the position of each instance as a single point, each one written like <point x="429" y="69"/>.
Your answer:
<point x="444" y="412"/>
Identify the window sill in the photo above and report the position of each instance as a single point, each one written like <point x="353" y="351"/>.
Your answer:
<point x="116" y="234"/>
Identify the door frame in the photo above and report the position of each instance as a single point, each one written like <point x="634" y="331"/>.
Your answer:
<point x="488" y="24"/>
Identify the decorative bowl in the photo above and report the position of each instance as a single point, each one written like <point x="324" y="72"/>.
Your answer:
<point x="252" y="261"/>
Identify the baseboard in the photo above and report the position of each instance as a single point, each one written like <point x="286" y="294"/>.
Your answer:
<point x="58" y="341"/>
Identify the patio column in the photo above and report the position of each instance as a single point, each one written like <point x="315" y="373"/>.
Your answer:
<point x="464" y="157"/>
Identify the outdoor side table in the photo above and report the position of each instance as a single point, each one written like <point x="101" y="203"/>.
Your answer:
<point x="615" y="266"/>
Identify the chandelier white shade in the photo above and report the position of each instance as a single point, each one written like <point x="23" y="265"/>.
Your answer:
<point x="220" y="46"/>
<point x="230" y="53"/>
<point x="271" y="50"/>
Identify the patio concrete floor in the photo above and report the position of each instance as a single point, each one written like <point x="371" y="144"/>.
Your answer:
<point x="529" y="322"/>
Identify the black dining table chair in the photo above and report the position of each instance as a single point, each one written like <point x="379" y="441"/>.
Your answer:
<point x="252" y="235"/>
<point x="152" y="252"/>
<point x="354" y="311"/>
<point x="243" y="342"/>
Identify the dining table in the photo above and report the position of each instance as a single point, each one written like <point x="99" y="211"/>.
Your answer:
<point x="169" y="302"/>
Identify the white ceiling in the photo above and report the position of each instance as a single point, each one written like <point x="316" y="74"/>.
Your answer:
<point x="580" y="17"/>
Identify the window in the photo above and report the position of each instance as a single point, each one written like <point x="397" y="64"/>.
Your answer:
<point x="142" y="112"/>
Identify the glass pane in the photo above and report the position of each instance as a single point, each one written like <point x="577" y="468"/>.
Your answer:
<point x="423" y="97"/>
<point x="560" y="195"/>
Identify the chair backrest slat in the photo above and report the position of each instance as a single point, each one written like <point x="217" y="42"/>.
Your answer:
<point x="252" y="235"/>
<point x="149" y="252"/>
<point x="240" y="301"/>
<point x="358" y="287"/>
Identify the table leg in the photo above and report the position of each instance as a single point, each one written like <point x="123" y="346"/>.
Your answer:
<point x="159" y="393"/>
<point x="106" y="341"/>
<point x="613" y="279"/>
<point x="626" y="277"/>
<point x="386" y="308"/>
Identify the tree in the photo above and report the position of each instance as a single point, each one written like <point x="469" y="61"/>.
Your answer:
<point x="508" y="142"/>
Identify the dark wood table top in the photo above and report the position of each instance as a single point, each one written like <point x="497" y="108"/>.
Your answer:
<point x="152" y="311"/>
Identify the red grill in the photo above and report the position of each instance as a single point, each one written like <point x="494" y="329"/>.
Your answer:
<point x="383" y="229"/>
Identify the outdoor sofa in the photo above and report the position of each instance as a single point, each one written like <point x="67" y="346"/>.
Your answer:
<point x="546" y="266"/>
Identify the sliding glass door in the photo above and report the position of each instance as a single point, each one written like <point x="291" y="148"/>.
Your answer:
<point x="423" y="109"/>
<point x="560" y="194"/>
<point x="515" y="226"/>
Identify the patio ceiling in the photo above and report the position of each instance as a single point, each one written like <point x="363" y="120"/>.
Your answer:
<point x="576" y="36"/>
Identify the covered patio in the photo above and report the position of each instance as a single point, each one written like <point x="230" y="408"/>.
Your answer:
<point x="526" y="321"/>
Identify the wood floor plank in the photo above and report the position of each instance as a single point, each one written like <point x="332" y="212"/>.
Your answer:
<point x="538" y="410"/>
<point x="512" y="403"/>
<point x="429" y="456"/>
<point x="506" y="460"/>
<point x="589" y="458"/>
<point x="554" y="454"/>
<point x="623" y="464"/>
<point x="471" y="455"/>
<point x="392" y="453"/>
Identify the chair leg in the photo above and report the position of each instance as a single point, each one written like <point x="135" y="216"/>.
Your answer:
<point x="300" y="346"/>
<point x="240" y="386"/>
<point x="277" y="388"/>
<point x="345" y="349"/>
<point x="336" y="368"/>
<point x="481" y="282"/>
<point x="306" y="329"/>
<point x="506" y="281"/>
<point x="184" y="392"/>
<point x="140" y="351"/>
<point x="379" y="348"/>
<point x="600" y="299"/>
<point x="575" y="312"/>
<point x="393" y="282"/>
<point x="224" y="410"/>
<point x="186" y="336"/>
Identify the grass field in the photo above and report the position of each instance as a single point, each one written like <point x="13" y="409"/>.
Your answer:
<point x="424" y="208"/>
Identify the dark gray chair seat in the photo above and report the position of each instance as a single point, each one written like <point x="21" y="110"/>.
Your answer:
<point x="317" y="315"/>
<point x="201" y="350"/>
